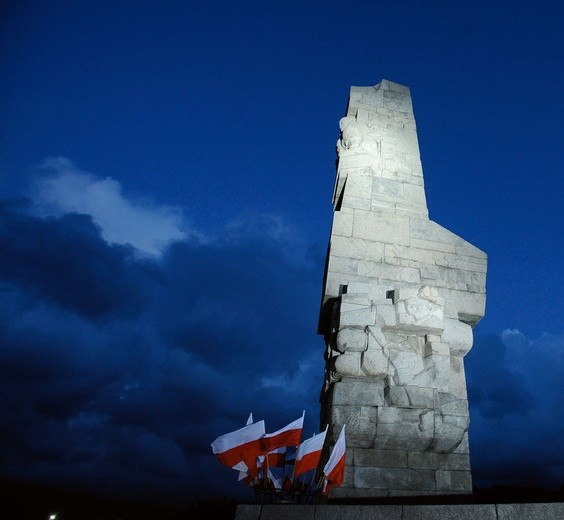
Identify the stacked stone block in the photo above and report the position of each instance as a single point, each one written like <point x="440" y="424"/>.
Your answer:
<point x="401" y="295"/>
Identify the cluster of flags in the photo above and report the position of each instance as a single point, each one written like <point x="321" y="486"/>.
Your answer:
<point x="256" y="454"/>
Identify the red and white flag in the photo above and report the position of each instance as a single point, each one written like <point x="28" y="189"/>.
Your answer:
<point x="309" y="453"/>
<point x="276" y="458"/>
<point x="334" y="470"/>
<point x="242" y="445"/>
<point x="241" y="466"/>
<point x="276" y="482"/>
<point x="290" y="435"/>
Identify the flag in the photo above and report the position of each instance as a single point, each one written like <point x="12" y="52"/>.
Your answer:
<point x="243" y="471"/>
<point x="276" y="458"/>
<point x="275" y="482"/>
<point x="287" y="484"/>
<point x="242" y="445"/>
<point x="290" y="435"/>
<point x="334" y="470"/>
<point x="242" y="467"/>
<point x="309" y="453"/>
<point x="290" y="456"/>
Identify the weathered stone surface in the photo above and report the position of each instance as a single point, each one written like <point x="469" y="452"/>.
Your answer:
<point x="401" y="295"/>
<point x="352" y="340"/>
<point x="348" y="364"/>
<point x="454" y="481"/>
<point x="449" y="404"/>
<point x="436" y="347"/>
<point x="248" y="512"/>
<point x="282" y="512"/>
<point x="375" y="363"/>
<point x="458" y="336"/>
<point x="449" y="432"/>
<point x="410" y="397"/>
<point x="381" y="458"/>
<point x="405" y="429"/>
<point x="450" y="512"/>
<point x="464" y="446"/>
<point x="442" y="461"/>
<point x="361" y="423"/>
<point x="550" y="511"/>
<point x="521" y="511"/>
<point x="386" y="229"/>
<point x="357" y="512"/>
<point x="361" y="392"/>
<point x="352" y="492"/>
<point x="457" y="385"/>
<point x="394" y="478"/>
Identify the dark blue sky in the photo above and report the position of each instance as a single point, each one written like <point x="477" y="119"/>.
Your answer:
<point x="165" y="182"/>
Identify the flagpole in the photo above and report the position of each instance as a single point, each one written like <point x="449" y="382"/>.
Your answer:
<point x="267" y="474"/>
<point x="312" y="478"/>
<point x="296" y="455"/>
<point x="319" y="462"/>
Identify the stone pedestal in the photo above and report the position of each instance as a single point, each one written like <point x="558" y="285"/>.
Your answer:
<point x="401" y="295"/>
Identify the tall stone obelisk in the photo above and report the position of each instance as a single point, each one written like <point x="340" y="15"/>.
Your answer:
<point x="401" y="295"/>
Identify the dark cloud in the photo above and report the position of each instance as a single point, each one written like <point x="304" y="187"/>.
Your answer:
<point x="118" y="371"/>
<point x="493" y="388"/>
<point x="515" y="391"/>
<point x="65" y="260"/>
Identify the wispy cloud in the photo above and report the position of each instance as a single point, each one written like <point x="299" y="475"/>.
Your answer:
<point x="64" y="188"/>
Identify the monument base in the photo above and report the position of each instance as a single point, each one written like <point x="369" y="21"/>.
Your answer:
<point x="545" y="511"/>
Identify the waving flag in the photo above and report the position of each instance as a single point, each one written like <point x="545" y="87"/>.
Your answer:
<point x="276" y="458"/>
<point x="309" y="454"/>
<point x="334" y="470"/>
<point x="242" y="467"/>
<point x="242" y="445"/>
<point x="274" y="481"/>
<point x="290" y="435"/>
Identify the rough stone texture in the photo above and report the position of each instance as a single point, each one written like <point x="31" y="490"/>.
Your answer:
<point x="401" y="295"/>
<point x="282" y="512"/>
<point x="540" y="511"/>
<point x="548" y="511"/>
<point x="247" y="512"/>
<point x="358" y="512"/>
<point x="450" y="512"/>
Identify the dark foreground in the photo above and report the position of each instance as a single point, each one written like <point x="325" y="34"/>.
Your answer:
<point x="39" y="502"/>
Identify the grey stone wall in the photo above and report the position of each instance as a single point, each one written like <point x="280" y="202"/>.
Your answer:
<point x="400" y="297"/>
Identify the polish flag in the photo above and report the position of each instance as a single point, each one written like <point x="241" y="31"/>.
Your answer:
<point x="290" y="435"/>
<point x="276" y="458"/>
<point x="309" y="454"/>
<point x="242" y="445"/>
<point x="334" y="470"/>
<point x="276" y="482"/>
<point x="242" y="467"/>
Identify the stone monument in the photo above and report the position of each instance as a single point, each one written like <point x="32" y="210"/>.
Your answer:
<point x="400" y="297"/>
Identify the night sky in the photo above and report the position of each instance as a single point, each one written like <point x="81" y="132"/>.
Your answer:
<point x="166" y="173"/>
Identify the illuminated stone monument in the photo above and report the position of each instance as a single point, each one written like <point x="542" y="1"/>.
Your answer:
<point x="401" y="295"/>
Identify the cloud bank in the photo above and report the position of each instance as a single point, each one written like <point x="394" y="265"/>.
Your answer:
<point x="118" y="369"/>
